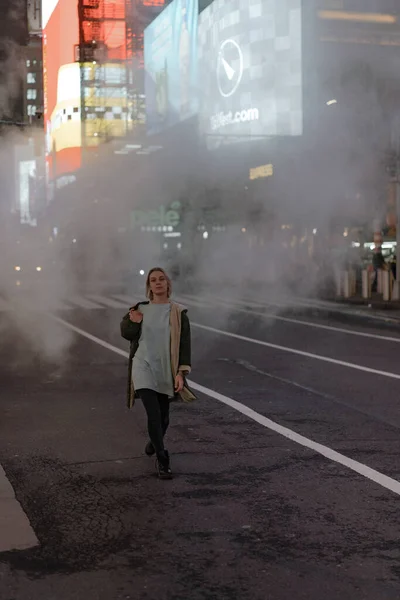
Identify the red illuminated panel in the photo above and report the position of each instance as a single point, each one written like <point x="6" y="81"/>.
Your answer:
<point x="105" y="9"/>
<point x="62" y="89"/>
<point x="103" y="22"/>
<point x="153" y="2"/>
<point x="111" y="33"/>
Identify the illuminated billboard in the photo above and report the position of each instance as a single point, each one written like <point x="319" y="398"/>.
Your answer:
<point x="61" y="86"/>
<point x="250" y="68"/>
<point x="170" y="56"/>
<point x="85" y="80"/>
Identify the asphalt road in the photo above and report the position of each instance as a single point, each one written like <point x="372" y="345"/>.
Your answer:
<point x="250" y="514"/>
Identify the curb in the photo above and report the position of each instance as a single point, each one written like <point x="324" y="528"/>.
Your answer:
<point x="16" y="531"/>
<point x="347" y="316"/>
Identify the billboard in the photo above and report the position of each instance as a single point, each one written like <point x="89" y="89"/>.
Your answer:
<point x="85" y="102"/>
<point x="250" y="62"/>
<point x="170" y="57"/>
<point x="61" y="83"/>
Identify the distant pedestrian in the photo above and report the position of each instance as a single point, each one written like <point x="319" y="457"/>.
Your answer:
<point x="159" y="360"/>
<point x="378" y="264"/>
<point x="393" y="267"/>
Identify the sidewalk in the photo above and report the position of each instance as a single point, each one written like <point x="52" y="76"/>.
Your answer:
<point x="375" y="305"/>
<point x="16" y="531"/>
<point x="373" y="309"/>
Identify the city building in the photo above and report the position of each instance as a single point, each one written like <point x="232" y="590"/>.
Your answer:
<point x="34" y="65"/>
<point x="92" y="62"/>
<point x="13" y="39"/>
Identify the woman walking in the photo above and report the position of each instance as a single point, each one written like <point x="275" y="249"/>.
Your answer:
<point x="159" y="360"/>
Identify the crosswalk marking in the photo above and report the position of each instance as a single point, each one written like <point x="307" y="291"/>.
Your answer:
<point x="107" y="301"/>
<point x="127" y="300"/>
<point x="63" y="306"/>
<point x="83" y="302"/>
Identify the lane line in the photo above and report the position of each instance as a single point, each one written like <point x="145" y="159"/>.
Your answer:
<point x="334" y="361"/>
<point x="83" y="302"/>
<point x="106" y="301"/>
<point x="252" y="368"/>
<point x="89" y="336"/>
<point x="61" y="306"/>
<point x="239" y="307"/>
<point x="127" y="300"/>
<point x="16" y="531"/>
<point x="363" y="470"/>
<point x="334" y="307"/>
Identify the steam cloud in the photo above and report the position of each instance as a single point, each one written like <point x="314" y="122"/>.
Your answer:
<point x="335" y="173"/>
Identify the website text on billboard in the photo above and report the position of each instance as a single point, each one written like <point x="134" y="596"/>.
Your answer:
<point x="250" y="66"/>
<point x="240" y="116"/>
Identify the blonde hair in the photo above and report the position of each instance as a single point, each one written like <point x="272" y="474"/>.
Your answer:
<point x="149" y="293"/>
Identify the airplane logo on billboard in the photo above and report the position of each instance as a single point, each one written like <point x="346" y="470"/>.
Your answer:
<point x="229" y="68"/>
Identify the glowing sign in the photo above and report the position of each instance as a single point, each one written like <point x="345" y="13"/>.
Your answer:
<point x="261" y="172"/>
<point x="160" y="219"/>
<point x="85" y="103"/>
<point x="250" y="69"/>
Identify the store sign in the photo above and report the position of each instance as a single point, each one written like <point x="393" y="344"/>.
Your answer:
<point x="250" y="68"/>
<point x="261" y="172"/>
<point x="161" y="217"/>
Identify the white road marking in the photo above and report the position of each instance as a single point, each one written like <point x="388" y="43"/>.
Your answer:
<point x="246" y="365"/>
<point x="127" y="300"/>
<point x="371" y="474"/>
<point x="61" y="306"/>
<point x="16" y="531"/>
<point x="325" y="306"/>
<point x="334" y="361"/>
<point x="239" y="307"/>
<point x="90" y="337"/>
<point x="83" y="302"/>
<point x="107" y="301"/>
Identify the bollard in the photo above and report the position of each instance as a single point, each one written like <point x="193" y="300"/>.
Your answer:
<point x="353" y="282"/>
<point x="366" y="284"/>
<point x="338" y="281"/>
<point x="387" y="285"/>
<point x="347" y="284"/>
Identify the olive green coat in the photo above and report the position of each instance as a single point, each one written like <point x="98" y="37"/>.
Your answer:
<point x="180" y="348"/>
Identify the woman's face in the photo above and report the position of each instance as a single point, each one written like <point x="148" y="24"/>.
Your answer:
<point x="158" y="283"/>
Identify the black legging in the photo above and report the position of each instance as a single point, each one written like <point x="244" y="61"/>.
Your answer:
<point x="157" y="408"/>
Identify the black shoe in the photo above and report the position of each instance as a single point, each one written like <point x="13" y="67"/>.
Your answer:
<point x="163" y="466"/>
<point x="149" y="450"/>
